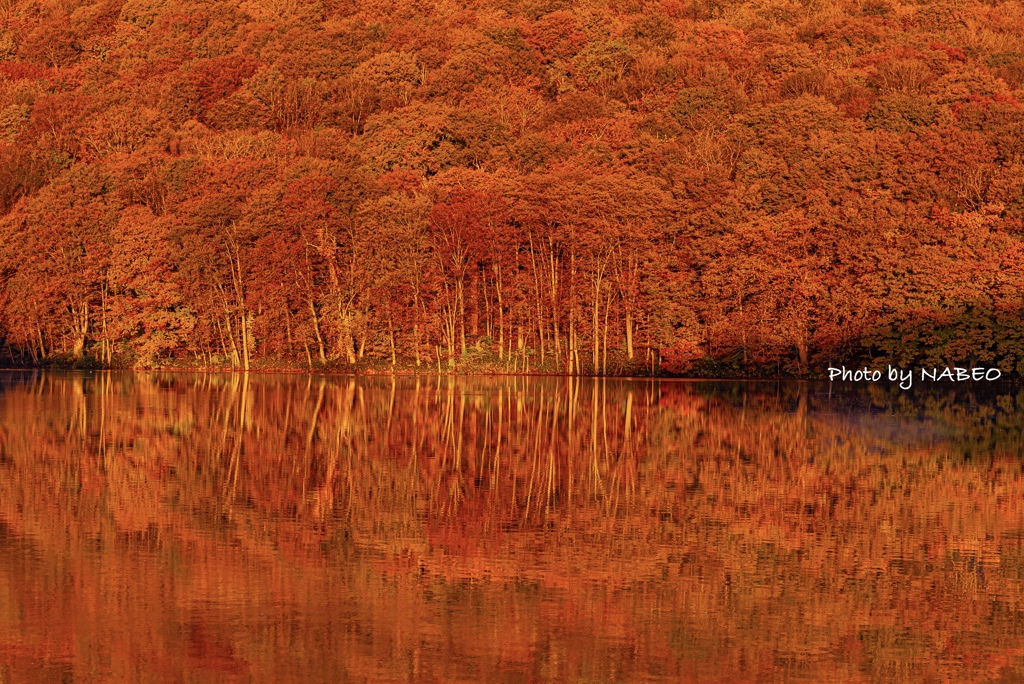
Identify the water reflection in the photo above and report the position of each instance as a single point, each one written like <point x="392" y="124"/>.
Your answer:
<point x="282" y="528"/>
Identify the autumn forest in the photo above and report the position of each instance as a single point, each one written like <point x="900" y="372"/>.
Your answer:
<point x="700" y="187"/>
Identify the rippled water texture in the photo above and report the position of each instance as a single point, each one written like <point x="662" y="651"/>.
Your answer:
<point x="280" y="528"/>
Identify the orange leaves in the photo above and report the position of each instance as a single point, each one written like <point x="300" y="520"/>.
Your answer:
<point x="954" y="53"/>
<point x="390" y="78"/>
<point x="144" y="312"/>
<point x="52" y="43"/>
<point x="218" y="77"/>
<point x="668" y="128"/>
<point x="557" y="36"/>
<point x="22" y="70"/>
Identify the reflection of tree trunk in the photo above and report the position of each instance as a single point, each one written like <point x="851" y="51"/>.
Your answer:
<point x="81" y="407"/>
<point x="311" y="433"/>
<point x="496" y="464"/>
<point x="244" y="422"/>
<point x="595" y="468"/>
<point x="552" y="442"/>
<point x="628" y="427"/>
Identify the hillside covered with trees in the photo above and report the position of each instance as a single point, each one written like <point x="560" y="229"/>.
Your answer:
<point x="698" y="186"/>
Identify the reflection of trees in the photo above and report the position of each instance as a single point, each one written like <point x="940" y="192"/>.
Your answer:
<point x="667" y="527"/>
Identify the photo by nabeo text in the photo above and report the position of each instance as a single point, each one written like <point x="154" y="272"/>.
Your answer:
<point x="906" y="377"/>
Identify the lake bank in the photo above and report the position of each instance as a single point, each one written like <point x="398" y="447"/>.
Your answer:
<point x="654" y="367"/>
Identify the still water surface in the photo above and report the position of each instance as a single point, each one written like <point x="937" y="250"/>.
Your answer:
<point x="217" y="528"/>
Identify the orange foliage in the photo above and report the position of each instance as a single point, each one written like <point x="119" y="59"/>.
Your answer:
<point x="778" y="187"/>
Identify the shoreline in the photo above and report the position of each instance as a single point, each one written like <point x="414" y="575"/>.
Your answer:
<point x="1005" y="380"/>
<point x="399" y="373"/>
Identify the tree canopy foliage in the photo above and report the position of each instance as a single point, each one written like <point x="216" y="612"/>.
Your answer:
<point x="714" y="186"/>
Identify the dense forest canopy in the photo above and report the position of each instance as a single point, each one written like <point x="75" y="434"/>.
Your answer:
<point x="703" y="186"/>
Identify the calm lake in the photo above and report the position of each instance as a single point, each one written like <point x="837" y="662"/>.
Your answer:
<point x="281" y="528"/>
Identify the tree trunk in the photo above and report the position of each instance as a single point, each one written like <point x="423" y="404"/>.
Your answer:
<point x="501" y="313"/>
<point x="572" y="343"/>
<point x="391" y="336"/>
<point x="223" y="345"/>
<point x="540" y="311"/>
<point x="629" y="335"/>
<point x="596" y="333"/>
<point x="316" y="331"/>
<point x="245" y="342"/>
<point x="346" y="340"/>
<point x="107" y="347"/>
<point x="416" y="343"/>
<point x="238" y="283"/>
<point x="235" y="360"/>
<point x="81" y="330"/>
<point x="288" y="328"/>
<point x="554" y="299"/>
<point x="607" y="312"/>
